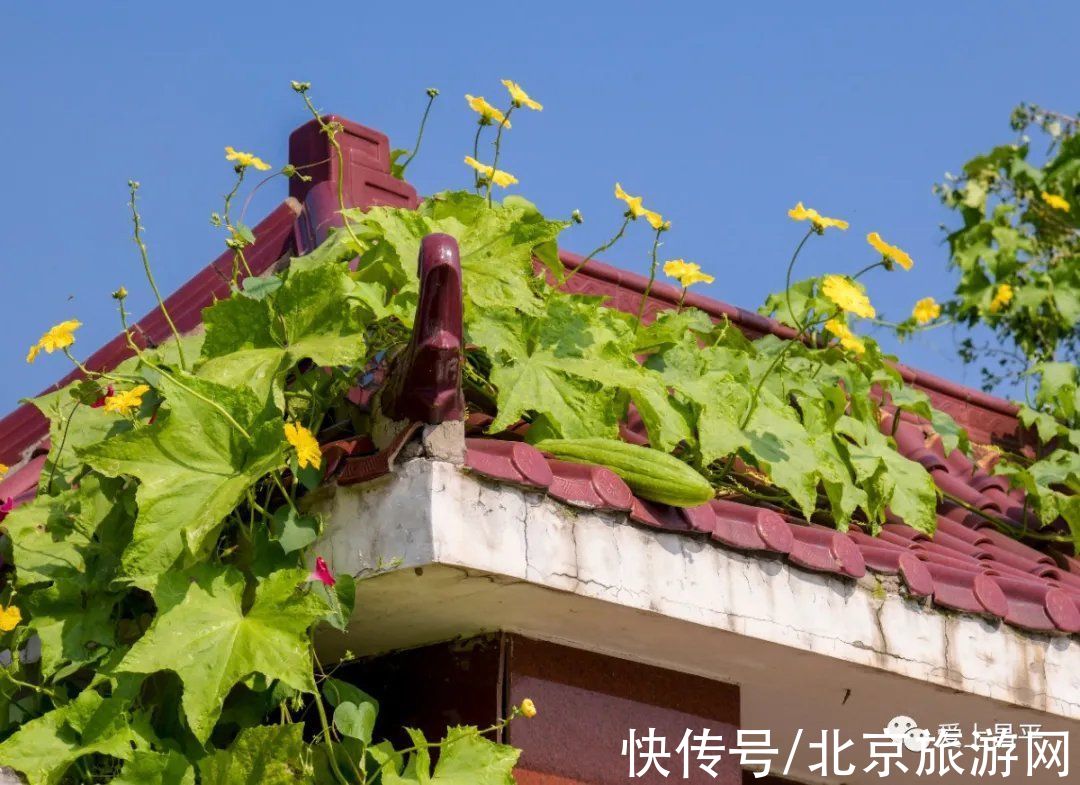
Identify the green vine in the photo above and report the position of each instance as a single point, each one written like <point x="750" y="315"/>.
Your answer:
<point x="173" y="538"/>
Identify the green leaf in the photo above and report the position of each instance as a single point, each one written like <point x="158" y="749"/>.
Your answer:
<point x="260" y="370"/>
<point x="44" y="748"/>
<point x="496" y="243"/>
<point x="203" y="634"/>
<point x="355" y="720"/>
<point x="168" y="768"/>
<point x="340" y="599"/>
<point x="74" y="626"/>
<point x="671" y="328"/>
<point x="315" y="314"/>
<point x="292" y="530"/>
<point x="73" y="425"/>
<point x="465" y="758"/>
<point x="266" y="755"/>
<point x="73" y="538"/>
<point x="193" y="465"/>
<point x="338" y="692"/>
<point x="397" y="169"/>
<point x="261" y="287"/>
<point x="320" y="319"/>
<point x="953" y="436"/>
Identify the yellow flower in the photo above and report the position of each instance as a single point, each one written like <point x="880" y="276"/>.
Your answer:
<point x="1002" y="297"/>
<point x="633" y="203"/>
<point x="9" y="618"/>
<point x="520" y="97"/>
<point x="528" y="708"/>
<point x="848" y="339"/>
<point x="4" y="468"/>
<point x="819" y="222"/>
<point x="1055" y="201"/>
<point x="686" y="273"/>
<point x="846" y="294"/>
<point x="926" y="310"/>
<point x="246" y="159"/>
<point x="656" y="221"/>
<point x="487" y="112"/>
<point x="890" y="252"/>
<point x="125" y="402"/>
<point x="497" y="176"/>
<point x="305" y="444"/>
<point x="59" y="337"/>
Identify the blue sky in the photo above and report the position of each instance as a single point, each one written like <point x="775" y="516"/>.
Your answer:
<point x="721" y="115"/>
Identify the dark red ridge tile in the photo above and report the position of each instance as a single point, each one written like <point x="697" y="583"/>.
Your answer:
<point x="901" y="534"/>
<point x="956" y="561"/>
<point x="927" y="459"/>
<point x="633" y="430"/>
<point x="825" y="550"/>
<point x="1068" y="562"/>
<point x="966" y="590"/>
<point x="477" y="422"/>
<point x="945" y="540"/>
<point x="938" y="549"/>
<point x="741" y="526"/>
<point x="1013" y="559"/>
<point x="1063" y="609"/>
<point x="513" y="462"/>
<point x="358" y="468"/>
<point x="592" y="487"/>
<point x="1030" y="601"/>
<point x="1061" y="578"/>
<point x="960" y="464"/>
<point x="335" y="452"/>
<point x="916" y="575"/>
<point x="984" y="482"/>
<point x="962" y="491"/>
<point x="961" y="532"/>
<point x="1007" y="569"/>
<point x="883" y="555"/>
<point x="21" y="484"/>
<point x="657" y="516"/>
<point x="1007" y="543"/>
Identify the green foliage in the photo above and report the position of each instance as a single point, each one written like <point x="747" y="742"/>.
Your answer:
<point x="465" y="758"/>
<point x="1012" y="235"/>
<point x="209" y="444"/>
<point x="1020" y="234"/>
<point x="203" y="634"/>
<point x="162" y="564"/>
<point x="266" y="755"/>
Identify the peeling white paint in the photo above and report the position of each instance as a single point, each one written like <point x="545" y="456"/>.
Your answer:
<point x="453" y="554"/>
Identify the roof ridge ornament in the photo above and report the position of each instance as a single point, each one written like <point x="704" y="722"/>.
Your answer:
<point x="425" y="385"/>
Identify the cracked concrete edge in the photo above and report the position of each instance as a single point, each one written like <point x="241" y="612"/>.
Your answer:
<point x="432" y="512"/>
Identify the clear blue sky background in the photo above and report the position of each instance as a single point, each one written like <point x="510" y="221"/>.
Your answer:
<point x="722" y="115"/>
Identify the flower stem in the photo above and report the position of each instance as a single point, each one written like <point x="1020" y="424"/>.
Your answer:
<point x="476" y="152"/>
<point x="420" y="134"/>
<point x="133" y="187"/>
<point x="60" y="449"/>
<point x="601" y="249"/>
<point x="652" y="278"/>
<point x="331" y="131"/>
<point x="787" y="278"/>
<point x="324" y="722"/>
<point x="866" y="269"/>
<point x="498" y="148"/>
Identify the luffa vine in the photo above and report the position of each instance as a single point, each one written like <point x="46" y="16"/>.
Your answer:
<point x="172" y="539"/>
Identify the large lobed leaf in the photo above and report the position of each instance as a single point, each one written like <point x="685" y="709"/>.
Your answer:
<point x="203" y="634"/>
<point x="193" y="465"/>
